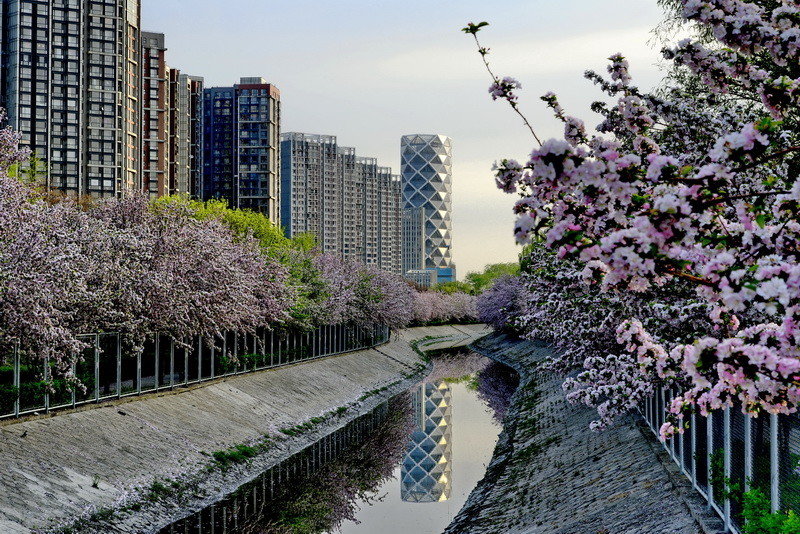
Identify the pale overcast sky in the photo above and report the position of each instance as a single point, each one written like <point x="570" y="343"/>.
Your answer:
<point x="370" y="71"/>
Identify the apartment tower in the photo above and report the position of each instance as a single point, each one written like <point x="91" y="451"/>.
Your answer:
<point x="241" y="150"/>
<point x="172" y="105"/>
<point x="71" y="85"/>
<point x="350" y="203"/>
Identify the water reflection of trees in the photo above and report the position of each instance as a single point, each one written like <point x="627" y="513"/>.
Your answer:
<point x="325" y="500"/>
<point x="496" y="385"/>
<point x="494" y="382"/>
<point x="455" y="365"/>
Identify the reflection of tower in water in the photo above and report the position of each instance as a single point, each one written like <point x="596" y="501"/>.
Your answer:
<point x="425" y="474"/>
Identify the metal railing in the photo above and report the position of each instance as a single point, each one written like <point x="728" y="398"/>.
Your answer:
<point x="729" y="453"/>
<point x="108" y="370"/>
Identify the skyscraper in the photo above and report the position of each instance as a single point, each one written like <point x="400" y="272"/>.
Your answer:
<point x="426" y="169"/>
<point x="241" y="156"/>
<point x="71" y="85"/>
<point x="350" y="203"/>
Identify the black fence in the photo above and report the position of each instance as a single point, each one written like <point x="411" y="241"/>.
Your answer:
<point x="107" y="369"/>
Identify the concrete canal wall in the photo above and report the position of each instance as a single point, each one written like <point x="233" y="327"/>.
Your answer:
<point x="551" y="474"/>
<point x="99" y="461"/>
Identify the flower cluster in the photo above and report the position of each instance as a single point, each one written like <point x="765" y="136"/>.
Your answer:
<point x="505" y="89"/>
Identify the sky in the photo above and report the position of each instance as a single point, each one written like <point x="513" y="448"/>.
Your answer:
<point x="371" y="71"/>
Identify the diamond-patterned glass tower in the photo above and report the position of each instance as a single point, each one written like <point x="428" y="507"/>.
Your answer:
<point x="425" y="473"/>
<point x="426" y="169"/>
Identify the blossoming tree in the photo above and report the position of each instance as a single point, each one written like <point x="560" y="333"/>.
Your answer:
<point x="670" y="191"/>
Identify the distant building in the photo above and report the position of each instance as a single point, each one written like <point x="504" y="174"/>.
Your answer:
<point x="423" y="277"/>
<point x="425" y="474"/>
<point x="426" y="170"/>
<point x="155" y="107"/>
<point x="413" y="239"/>
<point x="186" y="172"/>
<point x="172" y="123"/>
<point x="311" y="184"/>
<point x="71" y="85"/>
<point x="241" y="153"/>
<point x="350" y="203"/>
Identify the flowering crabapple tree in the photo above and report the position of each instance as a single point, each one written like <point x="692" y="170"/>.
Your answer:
<point x="659" y="196"/>
<point x="435" y="307"/>
<point x="499" y="305"/>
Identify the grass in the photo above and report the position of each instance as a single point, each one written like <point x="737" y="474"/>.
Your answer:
<point x="237" y="454"/>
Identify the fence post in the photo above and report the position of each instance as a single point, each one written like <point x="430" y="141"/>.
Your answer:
<point x="16" y="378"/>
<point x="693" y="441"/>
<point x="235" y="351"/>
<point x="185" y="363"/>
<point x="46" y="377"/>
<point x="74" y="370"/>
<point x="199" y="358"/>
<point x="748" y="451"/>
<point x="213" y="356"/>
<point x="224" y="347"/>
<point x="773" y="463"/>
<point x="139" y="369"/>
<point x="726" y="444"/>
<point x="97" y="367"/>
<point x="264" y="347"/>
<point x="709" y="452"/>
<point x="171" y="363"/>
<point x="119" y="365"/>
<point x="681" y="446"/>
<point x="156" y="359"/>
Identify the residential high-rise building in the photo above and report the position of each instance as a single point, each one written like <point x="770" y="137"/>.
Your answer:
<point x="71" y="85"/>
<point x="172" y="123"/>
<point x="350" y="203"/>
<point x="155" y="114"/>
<point x="187" y="125"/>
<point x="311" y="200"/>
<point x="413" y="239"/>
<point x="241" y="156"/>
<point x="426" y="169"/>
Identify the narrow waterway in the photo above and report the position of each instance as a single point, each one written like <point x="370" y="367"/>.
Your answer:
<point x="408" y="466"/>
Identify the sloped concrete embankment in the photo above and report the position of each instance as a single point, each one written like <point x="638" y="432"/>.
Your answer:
<point x="551" y="474"/>
<point x="101" y="462"/>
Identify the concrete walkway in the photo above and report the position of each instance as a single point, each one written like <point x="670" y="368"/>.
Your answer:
<point x="54" y="469"/>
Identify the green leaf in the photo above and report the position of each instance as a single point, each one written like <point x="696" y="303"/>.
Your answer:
<point x="761" y="220"/>
<point x="474" y="28"/>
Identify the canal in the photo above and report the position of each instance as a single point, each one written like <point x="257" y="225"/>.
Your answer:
<point x="408" y="466"/>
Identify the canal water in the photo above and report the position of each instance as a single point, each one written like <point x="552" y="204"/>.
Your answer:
<point x="406" y="467"/>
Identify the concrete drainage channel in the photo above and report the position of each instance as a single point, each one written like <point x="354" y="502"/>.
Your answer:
<point x="115" y="468"/>
<point x="551" y="474"/>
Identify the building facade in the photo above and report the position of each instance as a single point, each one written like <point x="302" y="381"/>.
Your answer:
<point x="413" y="228"/>
<point x="426" y="169"/>
<point x="71" y="85"/>
<point x="155" y="115"/>
<point x="172" y="113"/>
<point x="241" y="146"/>
<point x="350" y="203"/>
